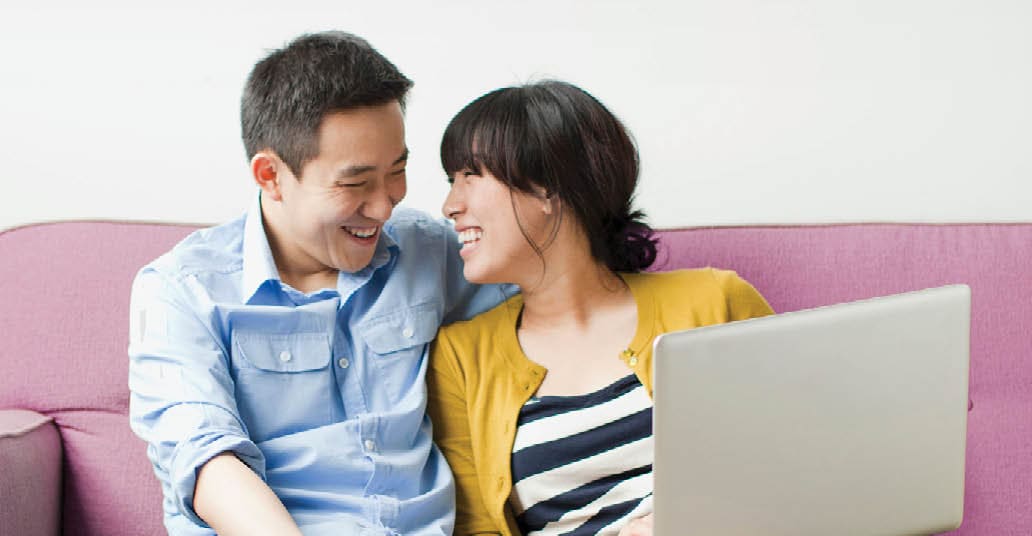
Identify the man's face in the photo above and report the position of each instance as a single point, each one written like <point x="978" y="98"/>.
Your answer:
<point x="330" y="218"/>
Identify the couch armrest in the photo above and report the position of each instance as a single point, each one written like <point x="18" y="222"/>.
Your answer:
<point x="30" y="473"/>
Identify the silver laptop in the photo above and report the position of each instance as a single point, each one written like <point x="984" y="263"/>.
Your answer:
<point x="842" y="420"/>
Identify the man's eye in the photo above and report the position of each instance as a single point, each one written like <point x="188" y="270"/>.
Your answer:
<point x="351" y="184"/>
<point x="399" y="172"/>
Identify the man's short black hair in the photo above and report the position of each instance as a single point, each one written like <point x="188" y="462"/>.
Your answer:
<point x="288" y="93"/>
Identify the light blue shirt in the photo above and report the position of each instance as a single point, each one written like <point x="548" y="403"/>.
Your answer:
<point x="321" y="394"/>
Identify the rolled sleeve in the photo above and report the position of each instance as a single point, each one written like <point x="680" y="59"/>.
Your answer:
<point x="181" y="389"/>
<point x="190" y="455"/>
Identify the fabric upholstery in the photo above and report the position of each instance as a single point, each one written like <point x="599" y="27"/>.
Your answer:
<point x="65" y="294"/>
<point x="797" y="267"/>
<point x="30" y="474"/>
<point x="64" y="290"/>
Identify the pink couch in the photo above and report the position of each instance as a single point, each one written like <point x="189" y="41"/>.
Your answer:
<point x="68" y="460"/>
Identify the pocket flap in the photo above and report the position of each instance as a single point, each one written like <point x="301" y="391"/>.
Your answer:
<point x="293" y="352"/>
<point x="416" y="325"/>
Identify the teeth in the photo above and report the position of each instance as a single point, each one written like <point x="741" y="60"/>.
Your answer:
<point x="361" y="232"/>
<point x="470" y="235"/>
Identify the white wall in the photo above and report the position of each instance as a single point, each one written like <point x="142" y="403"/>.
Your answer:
<point x="746" y="111"/>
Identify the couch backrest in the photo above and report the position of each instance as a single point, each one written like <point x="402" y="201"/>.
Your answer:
<point x="64" y="291"/>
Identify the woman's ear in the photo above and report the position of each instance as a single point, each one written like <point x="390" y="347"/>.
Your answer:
<point x="550" y="203"/>
<point x="264" y="170"/>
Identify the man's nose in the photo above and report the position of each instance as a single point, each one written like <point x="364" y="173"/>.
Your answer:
<point x="380" y="204"/>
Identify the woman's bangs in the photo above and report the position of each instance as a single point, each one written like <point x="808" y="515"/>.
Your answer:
<point x="482" y="138"/>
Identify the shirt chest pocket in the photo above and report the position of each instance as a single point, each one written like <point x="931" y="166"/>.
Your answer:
<point x="283" y="381"/>
<point x="398" y="343"/>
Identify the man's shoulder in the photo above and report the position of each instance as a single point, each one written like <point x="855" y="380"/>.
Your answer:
<point x="212" y="249"/>
<point x="408" y="224"/>
<point x="482" y="328"/>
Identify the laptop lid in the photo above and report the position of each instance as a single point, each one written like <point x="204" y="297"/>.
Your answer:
<point x="849" y="419"/>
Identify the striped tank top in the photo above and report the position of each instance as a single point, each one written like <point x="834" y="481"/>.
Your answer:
<point x="583" y="464"/>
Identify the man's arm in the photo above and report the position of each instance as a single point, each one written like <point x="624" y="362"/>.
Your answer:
<point x="232" y="499"/>
<point x="182" y="404"/>
<point x="464" y="300"/>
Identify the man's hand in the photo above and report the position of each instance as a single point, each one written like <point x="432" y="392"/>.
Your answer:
<point x="232" y="499"/>
<point x="638" y="527"/>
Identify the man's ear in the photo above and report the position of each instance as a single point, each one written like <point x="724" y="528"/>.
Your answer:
<point x="265" y="166"/>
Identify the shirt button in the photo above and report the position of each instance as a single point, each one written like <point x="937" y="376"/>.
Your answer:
<point x="285" y="356"/>
<point x="632" y="361"/>
<point x="370" y="445"/>
<point x="343" y="362"/>
<point x="407" y="332"/>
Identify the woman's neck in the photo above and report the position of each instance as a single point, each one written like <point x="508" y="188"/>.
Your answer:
<point x="570" y="294"/>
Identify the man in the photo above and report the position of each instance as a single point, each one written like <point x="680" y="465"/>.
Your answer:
<point x="277" y="361"/>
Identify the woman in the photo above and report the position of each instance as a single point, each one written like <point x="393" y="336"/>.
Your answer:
<point x="542" y="406"/>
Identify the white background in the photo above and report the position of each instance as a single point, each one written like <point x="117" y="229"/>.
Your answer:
<point x="745" y="111"/>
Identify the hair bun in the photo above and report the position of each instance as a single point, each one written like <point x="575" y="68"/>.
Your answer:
<point x="632" y="243"/>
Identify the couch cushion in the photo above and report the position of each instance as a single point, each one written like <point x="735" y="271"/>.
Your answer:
<point x="30" y="474"/>
<point x="65" y="290"/>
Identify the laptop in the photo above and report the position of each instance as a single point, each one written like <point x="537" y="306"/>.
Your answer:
<point x="843" y="420"/>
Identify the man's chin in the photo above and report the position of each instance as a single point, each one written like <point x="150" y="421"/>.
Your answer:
<point x="352" y="264"/>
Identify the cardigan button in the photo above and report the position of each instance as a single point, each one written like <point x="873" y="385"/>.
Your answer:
<point x="501" y="483"/>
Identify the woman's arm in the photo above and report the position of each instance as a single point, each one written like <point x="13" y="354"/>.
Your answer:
<point x="447" y="407"/>
<point x="638" y="527"/>
<point x="743" y="300"/>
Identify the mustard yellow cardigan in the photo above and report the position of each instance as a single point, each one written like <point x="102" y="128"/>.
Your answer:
<point x="479" y="378"/>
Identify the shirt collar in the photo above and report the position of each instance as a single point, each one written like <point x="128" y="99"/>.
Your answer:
<point x="260" y="267"/>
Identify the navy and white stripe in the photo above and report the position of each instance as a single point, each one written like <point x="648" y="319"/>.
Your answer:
<point x="583" y="464"/>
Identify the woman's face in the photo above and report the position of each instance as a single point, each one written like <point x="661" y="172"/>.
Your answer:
<point x="494" y="224"/>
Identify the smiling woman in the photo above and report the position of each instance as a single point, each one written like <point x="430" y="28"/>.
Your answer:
<point x="542" y="405"/>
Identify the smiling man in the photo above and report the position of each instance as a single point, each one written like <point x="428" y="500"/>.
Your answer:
<point x="277" y="361"/>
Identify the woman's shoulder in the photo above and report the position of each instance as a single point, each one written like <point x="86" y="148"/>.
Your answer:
<point x="715" y="287"/>
<point x="689" y="279"/>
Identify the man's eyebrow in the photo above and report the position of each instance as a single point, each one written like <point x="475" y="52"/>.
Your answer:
<point x="356" y="170"/>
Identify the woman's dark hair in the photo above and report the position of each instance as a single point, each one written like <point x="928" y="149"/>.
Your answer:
<point x="288" y="93"/>
<point x="558" y="137"/>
